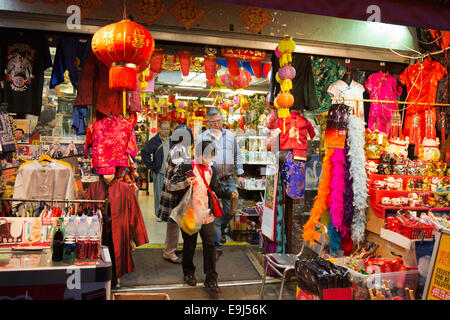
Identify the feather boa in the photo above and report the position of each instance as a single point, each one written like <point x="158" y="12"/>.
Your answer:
<point x="336" y="201"/>
<point x="358" y="173"/>
<point x="335" y="239"/>
<point x="349" y="210"/>
<point x="321" y="200"/>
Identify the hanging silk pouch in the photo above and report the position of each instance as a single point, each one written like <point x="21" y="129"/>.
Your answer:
<point x="293" y="176"/>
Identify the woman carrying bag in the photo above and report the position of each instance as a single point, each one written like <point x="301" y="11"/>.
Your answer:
<point x="205" y="187"/>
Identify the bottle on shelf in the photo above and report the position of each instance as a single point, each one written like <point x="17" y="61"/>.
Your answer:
<point x="58" y="242"/>
<point x="94" y="239"/>
<point x="70" y="241"/>
<point x="81" y="239"/>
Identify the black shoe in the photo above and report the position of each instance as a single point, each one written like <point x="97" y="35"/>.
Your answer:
<point x="218" y="255"/>
<point x="223" y="239"/>
<point x="212" y="286"/>
<point x="178" y="251"/>
<point x="190" y="280"/>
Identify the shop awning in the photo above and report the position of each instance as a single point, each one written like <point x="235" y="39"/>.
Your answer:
<point x="433" y="14"/>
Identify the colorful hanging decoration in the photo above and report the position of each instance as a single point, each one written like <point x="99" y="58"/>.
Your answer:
<point x="255" y="18"/>
<point x="187" y="12"/>
<point x="336" y="201"/>
<point x="87" y="7"/>
<point x="255" y="57"/>
<point x="356" y="141"/>
<point x="285" y="99"/>
<point x="266" y="69"/>
<point x="156" y="61"/>
<point x="185" y="62"/>
<point x="233" y="66"/>
<point x="149" y="11"/>
<point x="124" y="47"/>
<point x="320" y="206"/>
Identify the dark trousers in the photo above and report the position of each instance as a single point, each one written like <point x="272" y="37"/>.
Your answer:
<point x="207" y="232"/>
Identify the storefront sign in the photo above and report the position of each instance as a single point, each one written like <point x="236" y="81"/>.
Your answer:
<point x="244" y="54"/>
<point x="437" y="286"/>
<point x="270" y="202"/>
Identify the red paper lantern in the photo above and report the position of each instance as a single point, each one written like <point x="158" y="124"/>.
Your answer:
<point x="123" y="47"/>
<point x="171" y="98"/>
<point x="185" y="62"/>
<point x="210" y="66"/>
<point x="156" y="61"/>
<point x="241" y="81"/>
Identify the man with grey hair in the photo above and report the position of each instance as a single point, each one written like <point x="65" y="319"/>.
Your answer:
<point x="154" y="155"/>
<point x="227" y="157"/>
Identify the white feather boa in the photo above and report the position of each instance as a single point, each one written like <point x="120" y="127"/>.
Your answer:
<point x="358" y="173"/>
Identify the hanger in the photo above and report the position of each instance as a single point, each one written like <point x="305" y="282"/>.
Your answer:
<point x="45" y="158"/>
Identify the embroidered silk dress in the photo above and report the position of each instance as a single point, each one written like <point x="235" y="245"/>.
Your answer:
<point x="382" y="86"/>
<point x="112" y="140"/>
<point x="421" y="81"/>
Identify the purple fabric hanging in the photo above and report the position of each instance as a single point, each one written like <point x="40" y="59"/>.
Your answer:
<point x="348" y="198"/>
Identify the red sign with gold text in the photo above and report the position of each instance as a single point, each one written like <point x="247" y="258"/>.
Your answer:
<point x="244" y="54"/>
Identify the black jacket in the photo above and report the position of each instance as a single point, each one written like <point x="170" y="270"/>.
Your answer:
<point x="152" y="155"/>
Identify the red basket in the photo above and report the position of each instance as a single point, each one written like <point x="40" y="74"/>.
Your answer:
<point x="410" y="232"/>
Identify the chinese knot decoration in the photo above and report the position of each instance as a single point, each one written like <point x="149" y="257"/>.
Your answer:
<point x="284" y="76"/>
<point x="126" y="48"/>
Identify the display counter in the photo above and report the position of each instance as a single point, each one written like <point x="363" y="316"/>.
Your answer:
<point x="30" y="274"/>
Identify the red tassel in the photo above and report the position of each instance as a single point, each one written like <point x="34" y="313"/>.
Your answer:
<point x="233" y="66"/>
<point x="256" y="67"/>
<point x="122" y="78"/>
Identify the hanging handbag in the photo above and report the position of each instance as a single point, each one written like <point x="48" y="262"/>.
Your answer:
<point x="217" y="208"/>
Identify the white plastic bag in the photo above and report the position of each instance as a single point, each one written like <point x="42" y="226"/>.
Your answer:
<point x="186" y="215"/>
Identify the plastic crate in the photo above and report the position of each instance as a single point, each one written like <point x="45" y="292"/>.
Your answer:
<point x="397" y="281"/>
<point x="409" y="232"/>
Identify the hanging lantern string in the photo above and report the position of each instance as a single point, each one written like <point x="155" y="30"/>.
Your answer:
<point x="124" y="9"/>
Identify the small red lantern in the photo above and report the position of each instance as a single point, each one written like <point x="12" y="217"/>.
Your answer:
<point x="242" y="81"/>
<point x="210" y="66"/>
<point x="156" y="61"/>
<point x="185" y="62"/>
<point x="123" y="47"/>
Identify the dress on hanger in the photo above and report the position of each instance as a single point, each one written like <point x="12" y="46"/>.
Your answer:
<point x="382" y="86"/>
<point x="354" y="90"/>
<point x="421" y="80"/>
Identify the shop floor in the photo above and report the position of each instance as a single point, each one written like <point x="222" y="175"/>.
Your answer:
<point x="152" y="269"/>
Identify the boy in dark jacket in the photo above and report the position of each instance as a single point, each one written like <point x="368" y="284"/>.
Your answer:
<point x="193" y="172"/>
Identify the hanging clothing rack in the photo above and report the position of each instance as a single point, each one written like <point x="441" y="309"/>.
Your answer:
<point x="388" y="101"/>
<point x="50" y="200"/>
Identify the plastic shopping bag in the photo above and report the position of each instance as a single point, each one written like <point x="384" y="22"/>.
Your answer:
<point x="186" y="216"/>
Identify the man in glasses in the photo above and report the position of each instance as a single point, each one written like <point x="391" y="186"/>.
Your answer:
<point x="227" y="157"/>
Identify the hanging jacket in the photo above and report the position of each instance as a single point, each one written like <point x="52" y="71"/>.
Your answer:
<point x="126" y="221"/>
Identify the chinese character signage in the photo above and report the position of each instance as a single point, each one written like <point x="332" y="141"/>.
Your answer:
<point x="149" y="11"/>
<point x="187" y="12"/>
<point x="255" y="18"/>
<point x="244" y="54"/>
